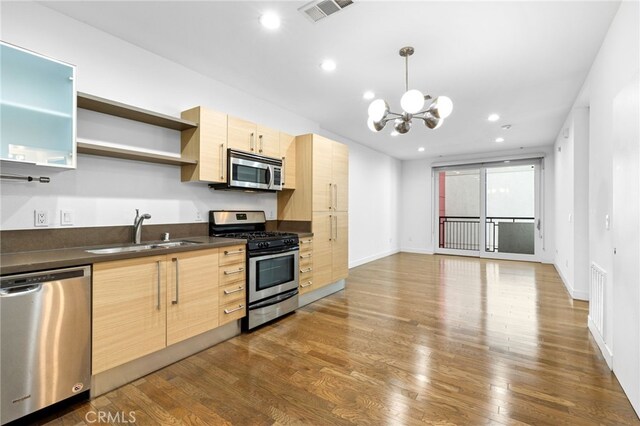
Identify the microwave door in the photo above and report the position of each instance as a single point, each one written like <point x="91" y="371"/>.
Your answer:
<point x="249" y="174"/>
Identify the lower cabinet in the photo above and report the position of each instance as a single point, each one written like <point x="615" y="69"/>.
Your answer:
<point x="306" y="265"/>
<point x="143" y="305"/>
<point x="331" y="247"/>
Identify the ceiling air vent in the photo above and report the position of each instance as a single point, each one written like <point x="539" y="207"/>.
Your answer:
<point x="317" y="10"/>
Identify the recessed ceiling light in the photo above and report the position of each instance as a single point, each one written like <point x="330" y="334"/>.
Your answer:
<point x="328" y="65"/>
<point x="493" y="117"/>
<point x="270" y="21"/>
<point x="499" y="140"/>
<point x="421" y="149"/>
<point x="368" y="95"/>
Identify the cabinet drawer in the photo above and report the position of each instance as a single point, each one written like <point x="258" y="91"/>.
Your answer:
<point x="232" y="273"/>
<point x="306" y="276"/>
<point x="306" y="285"/>
<point x="306" y="263"/>
<point x="231" y="293"/>
<point x="306" y="244"/>
<point x="232" y="311"/>
<point x="232" y="254"/>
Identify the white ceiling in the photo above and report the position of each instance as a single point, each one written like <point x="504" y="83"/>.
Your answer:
<point x="523" y="60"/>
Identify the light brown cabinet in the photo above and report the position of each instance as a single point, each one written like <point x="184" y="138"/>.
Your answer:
<point x="142" y="305"/>
<point x="288" y="155"/>
<point x="192" y="294"/>
<point x="250" y="137"/>
<point x="129" y="310"/>
<point x="321" y="196"/>
<point x="306" y="265"/>
<point x="206" y="144"/>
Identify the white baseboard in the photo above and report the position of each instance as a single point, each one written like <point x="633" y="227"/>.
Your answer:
<point x="604" y="349"/>
<point x="416" y="251"/>
<point x="575" y="294"/>
<point x="368" y="259"/>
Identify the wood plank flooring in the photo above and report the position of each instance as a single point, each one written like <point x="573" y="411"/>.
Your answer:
<point x="413" y="339"/>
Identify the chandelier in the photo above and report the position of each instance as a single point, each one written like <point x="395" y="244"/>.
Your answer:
<point x="412" y="103"/>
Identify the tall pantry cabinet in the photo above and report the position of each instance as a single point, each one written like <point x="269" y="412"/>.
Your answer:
<point x="321" y="196"/>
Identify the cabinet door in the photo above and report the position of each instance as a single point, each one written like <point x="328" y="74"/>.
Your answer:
<point x="207" y="144"/>
<point x="340" y="173"/>
<point x="268" y="142"/>
<point x="288" y="155"/>
<point x="322" y="249"/>
<point x="340" y="249"/>
<point x="37" y="109"/>
<point x="322" y="176"/>
<point x="192" y="294"/>
<point x="129" y="317"/>
<point x="242" y="135"/>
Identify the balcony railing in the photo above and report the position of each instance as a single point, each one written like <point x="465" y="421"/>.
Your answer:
<point x="462" y="232"/>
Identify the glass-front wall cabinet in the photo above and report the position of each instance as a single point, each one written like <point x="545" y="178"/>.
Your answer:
<point x="37" y="109"/>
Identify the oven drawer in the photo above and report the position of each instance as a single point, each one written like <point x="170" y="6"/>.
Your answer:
<point x="232" y="273"/>
<point x="232" y="292"/>
<point x="232" y="254"/>
<point x="232" y="311"/>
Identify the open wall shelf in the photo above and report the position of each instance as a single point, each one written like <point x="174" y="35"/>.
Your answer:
<point x="106" y="106"/>
<point x="108" y="150"/>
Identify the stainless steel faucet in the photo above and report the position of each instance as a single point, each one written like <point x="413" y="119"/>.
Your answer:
<point x="137" y="226"/>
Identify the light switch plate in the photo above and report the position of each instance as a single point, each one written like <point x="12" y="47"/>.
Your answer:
<point x="66" y="217"/>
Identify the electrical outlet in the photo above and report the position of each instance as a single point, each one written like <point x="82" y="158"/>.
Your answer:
<point x="198" y="216"/>
<point x="66" y="217"/>
<point x="41" y="218"/>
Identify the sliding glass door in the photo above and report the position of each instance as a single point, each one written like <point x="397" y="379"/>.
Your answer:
<point x="489" y="210"/>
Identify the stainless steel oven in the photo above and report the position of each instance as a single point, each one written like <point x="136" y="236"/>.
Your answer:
<point x="272" y="272"/>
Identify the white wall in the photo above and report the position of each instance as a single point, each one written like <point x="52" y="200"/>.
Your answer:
<point x="614" y="69"/>
<point x="571" y="203"/>
<point x="104" y="191"/>
<point x="417" y="203"/>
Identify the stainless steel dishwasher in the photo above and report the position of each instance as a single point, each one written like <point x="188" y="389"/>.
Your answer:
<point x="45" y="339"/>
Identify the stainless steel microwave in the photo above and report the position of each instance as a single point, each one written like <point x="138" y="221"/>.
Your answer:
<point x="251" y="172"/>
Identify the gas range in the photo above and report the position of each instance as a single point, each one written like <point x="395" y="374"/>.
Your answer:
<point x="272" y="264"/>
<point x="258" y="240"/>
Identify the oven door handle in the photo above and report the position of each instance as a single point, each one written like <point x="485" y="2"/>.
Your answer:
<point x="274" y="300"/>
<point x="253" y="254"/>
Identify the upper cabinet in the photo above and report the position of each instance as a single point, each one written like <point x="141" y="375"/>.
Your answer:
<point x="37" y="109"/>
<point x="250" y="137"/>
<point x="206" y="144"/>
<point x="288" y="155"/>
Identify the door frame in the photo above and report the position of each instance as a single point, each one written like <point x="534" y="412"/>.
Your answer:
<point x="538" y="163"/>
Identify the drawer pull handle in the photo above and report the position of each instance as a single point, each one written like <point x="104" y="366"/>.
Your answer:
<point x="229" y="311"/>
<point x="234" y="291"/>
<point x="306" y="242"/>
<point x="303" y="271"/>
<point x="305" y="256"/>
<point x="231" y="253"/>
<point x="237" y="271"/>
<point x="309" y="284"/>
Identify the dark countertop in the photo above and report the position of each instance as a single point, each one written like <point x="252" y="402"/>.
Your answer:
<point x="32" y="261"/>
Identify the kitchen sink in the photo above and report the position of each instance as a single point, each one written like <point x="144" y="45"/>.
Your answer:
<point x="142" y="247"/>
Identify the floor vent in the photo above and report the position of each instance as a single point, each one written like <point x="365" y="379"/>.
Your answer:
<point x="317" y="10"/>
<point x="598" y="280"/>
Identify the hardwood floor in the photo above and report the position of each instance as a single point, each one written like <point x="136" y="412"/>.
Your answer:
<point x="413" y="339"/>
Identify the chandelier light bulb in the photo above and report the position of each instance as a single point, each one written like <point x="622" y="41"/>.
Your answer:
<point x="378" y="109"/>
<point x="431" y="121"/>
<point x="444" y="105"/>
<point x="412" y="101"/>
